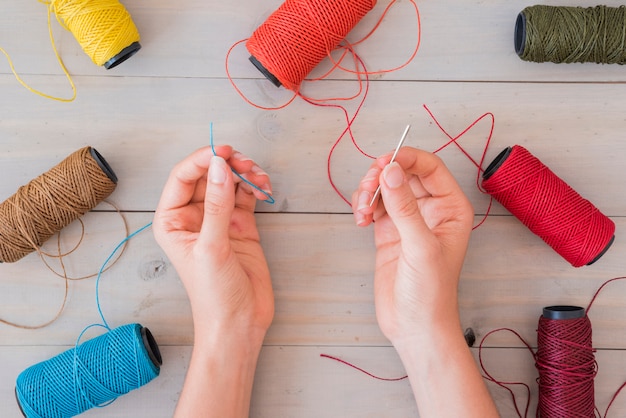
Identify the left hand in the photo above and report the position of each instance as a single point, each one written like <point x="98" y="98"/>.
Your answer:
<point x="205" y="224"/>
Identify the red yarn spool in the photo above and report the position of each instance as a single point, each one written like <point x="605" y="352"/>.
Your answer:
<point x="300" y="34"/>
<point x="566" y="364"/>
<point x="551" y="209"/>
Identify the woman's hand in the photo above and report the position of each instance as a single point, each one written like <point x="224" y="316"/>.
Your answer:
<point x="422" y="228"/>
<point x="205" y="224"/>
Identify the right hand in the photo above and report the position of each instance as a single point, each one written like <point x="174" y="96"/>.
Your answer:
<point x="422" y="227"/>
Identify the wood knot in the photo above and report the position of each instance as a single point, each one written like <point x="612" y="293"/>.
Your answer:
<point x="153" y="269"/>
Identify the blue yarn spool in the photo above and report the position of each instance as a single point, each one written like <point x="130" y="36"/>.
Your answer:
<point x="92" y="374"/>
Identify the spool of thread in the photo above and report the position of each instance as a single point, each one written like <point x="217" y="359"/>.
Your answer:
<point x="91" y="374"/>
<point x="52" y="201"/>
<point x="566" y="363"/>
<point x="300" y="34"/>
<point x="103" y="28"/>
<point x="550" y="208"/>
<point x="571" y="34"/>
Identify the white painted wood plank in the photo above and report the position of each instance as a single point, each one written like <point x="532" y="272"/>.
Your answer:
<point x="147" y="114"/>
<point x="143" y="126"/>
<point x="461" y="40"/>
<point x="297" y="382"/>
<point x="322" y="271"/>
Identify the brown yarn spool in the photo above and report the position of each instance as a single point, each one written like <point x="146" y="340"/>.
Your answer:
<point x="52" y="201"/>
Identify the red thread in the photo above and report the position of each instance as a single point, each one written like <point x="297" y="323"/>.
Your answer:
<point x="567" y="367"/>
<point x="299" y="35"/>
<point x="453" y="140"/>
<point x="550" y="208"/>
<point x="565" y="360"/>
<point x="387" y="379"/>
<point x="505" y="384"/>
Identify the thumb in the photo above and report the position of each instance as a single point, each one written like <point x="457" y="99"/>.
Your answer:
<point x="401" y="205"/>
<point x="219" y="202"/>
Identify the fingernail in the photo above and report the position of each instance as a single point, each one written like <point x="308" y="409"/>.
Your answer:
<point x="217" y="170"/>
<point x="393" y="175"/>
<point x="241" y="157"/>
<point x="360" y="219"/>
<point x="364" y="200"/>
<point x="258" y="171"/>
<point x="266" y="188"/>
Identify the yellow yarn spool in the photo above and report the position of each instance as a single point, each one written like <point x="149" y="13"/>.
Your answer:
<point x="103" y="28"/>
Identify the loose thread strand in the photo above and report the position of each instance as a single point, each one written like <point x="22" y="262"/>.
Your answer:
<point x="326" y="43"/>
<point x="270" y="198"/>
<point x="121" y="245"/>
<point x="387" y="379"/>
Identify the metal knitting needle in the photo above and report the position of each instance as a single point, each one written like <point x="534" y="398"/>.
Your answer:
<point x="393" y="157"/>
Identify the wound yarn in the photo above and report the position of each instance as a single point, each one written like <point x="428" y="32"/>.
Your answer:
<point x="548" y="206"/>
<point x="92" y="374"/>
<point x="571" y="34"/>
<point x="300" y="34"/>
<point x="103" y="28"/>
<point x="565" y="360"/>
<point x="52" y="201"/>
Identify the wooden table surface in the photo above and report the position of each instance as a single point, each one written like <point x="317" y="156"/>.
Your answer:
<point x="154" y="109"/>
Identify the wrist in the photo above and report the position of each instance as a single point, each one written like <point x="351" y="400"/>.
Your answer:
<point x="435" y="335"/>
<point x="221" y="373"/>
<point x="226" y="336"/>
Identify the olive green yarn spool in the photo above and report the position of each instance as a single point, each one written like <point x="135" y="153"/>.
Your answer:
<point x="571" y="34"/>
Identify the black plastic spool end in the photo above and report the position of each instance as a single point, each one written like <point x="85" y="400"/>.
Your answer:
<point x="557" y="312"/>
<point x="151" y="346"/>
<point x="497" y="163"/>
<point x="519" y="38"/>
<point x="264" y="71"/>
<point x="123" y="55"/>
<point x="104" y="166"/>
<point x="603" y="251"/>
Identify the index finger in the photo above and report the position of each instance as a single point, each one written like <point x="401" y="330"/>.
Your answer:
<point x="433" y="174"/>
<point x="181" y="184"/>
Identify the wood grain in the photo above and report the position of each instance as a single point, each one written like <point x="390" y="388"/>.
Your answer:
<point x="151" y="111"/>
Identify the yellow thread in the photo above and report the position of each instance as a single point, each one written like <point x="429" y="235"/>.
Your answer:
<point x="103" y="28"/>
<point x="56" y="53"/>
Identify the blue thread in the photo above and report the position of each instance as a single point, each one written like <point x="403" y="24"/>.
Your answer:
<point x="269" y="199"/>
<point x="115" y="250"/>
<point x="92" y="374"/>
<point x="89" y="375"/>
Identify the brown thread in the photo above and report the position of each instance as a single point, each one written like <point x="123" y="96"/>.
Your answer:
<point x="49" y="203"/>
